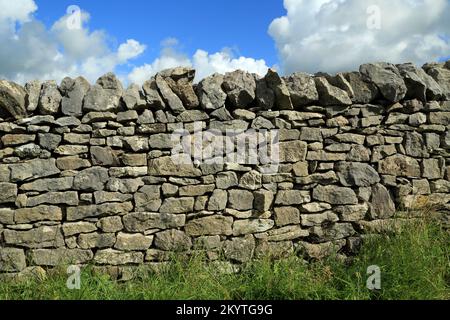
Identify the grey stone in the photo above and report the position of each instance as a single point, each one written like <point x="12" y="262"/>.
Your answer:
<point x="133" y="242"/>
<point x="41" y="237"/>
<point x="12" y="260"/>
<point x="281" y="91"/>
<point x="331" y="95"/>
<point x="92" y="179"/>
<point x="210" y="226"/>
<point x="335" y="195"/>
<point x="8" y="192"/>
<point x="42" y="185"/>
<point x="240" y="199"/>
<point x="218" y="200"/>
<point x="381" y="206"/>
<point x="244" y="227"/>
<point x="173" y="166"/>
<point x="143" y="221"/>
<point x="152" y="95"/>
<point x="69" y="198"/>
<point x="59" y="257"/>
<point x="96" y="240"/>
<point x="240" y="249"/>
<point x="400" y="165"/>
<point x="177" y="205"/>
<point x="210" y="92"/>
<point x="363" y="92"/>
<point x="148" y="199"/>
<point x="263" y="200"/>
<point x="292" y="151"/>
<point x="73" y="92"/>
<point x="302" y="89"/>
<point x="170" y="98"/>
<point x="292" y="197"/>
<point x="286" y="216"/>
<point x="180" y="80"/>
<point x="50" y="98"/>
<point x="311" y="220"/>
<point x="12" y="99"/>
<point x="387" y="78"/>
<point x="92" y="211"/>
<point x="49" y="141"/>
<point x="33" y="89"/>
<point x="419" y="84"/>
<point x="173" y="240"/>
<point x="36" y="214"/>
<point x="356" y="174"/>
<point x="240" y="88"/>
<point x="76" y="228"/>
<point x="117" y="258"/>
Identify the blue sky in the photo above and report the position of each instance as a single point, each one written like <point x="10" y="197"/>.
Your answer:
<point x="138" y="38"/>
<point x="212" y="25"/>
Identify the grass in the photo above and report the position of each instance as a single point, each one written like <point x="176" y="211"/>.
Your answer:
<point x="414" y="265"/>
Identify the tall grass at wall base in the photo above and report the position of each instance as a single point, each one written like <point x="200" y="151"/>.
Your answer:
<point x="414" y="264"/>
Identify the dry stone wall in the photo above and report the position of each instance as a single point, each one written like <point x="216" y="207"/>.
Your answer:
<point x="87" y="174"/>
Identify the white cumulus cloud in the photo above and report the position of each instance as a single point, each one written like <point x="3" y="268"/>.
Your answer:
<point x="31" y="51"/>
<point x="203" y="62"/>
<point x="339" y="35"/>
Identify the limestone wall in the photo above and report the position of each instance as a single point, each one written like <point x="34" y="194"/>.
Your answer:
<point x="87" y="173"/>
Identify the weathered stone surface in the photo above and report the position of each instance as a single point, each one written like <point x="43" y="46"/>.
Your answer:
<point x="41" y="237"/>
<point x="92" y="179"/>
<point x="387" y="78"/>
<point x="170" y="98"/>
<point x="49" y="141"/>
<point x="140" y="222"/>
<point x="180" y="81"/>
<point x="218" y="200"/>
<point x="331" y="95"/>
<point x="441" y="75"/>
<point x="244" y="227"/>
<point x="133" y="242"/>
<point x="59" y="257"/>
<point x="117" y="258"/>
<point x="352" y="213"/>
<point x="240" y="249"/>
<point x="399" y="165"/>
<point x="356" y="174"/>
<point x="311" y="220"/>
<point x="419" y="84"/>
<point x="151" y="95"/>
<point x="251" y="180"/>
<point x="240" y="88"/>
<point x="292" y="197"/>
<point x="381" y="206"/>
<point x="40" y="213"/>
<point x="431" y="169"/>
<point x="72" y="163"/>
<point x="6" y="216"/>
<point x="75" y="228"/>
<point x="8" y="192"/>
<point x="302" y="89"/>
<point x="103" y="157"/>
<point x="281" y="91"/>
<point x="33" y="169"/>
<point x="226" y="180"/>
<point x="286" y="216"/>
<point x="110" y="224"/>
<point x="104" y="95"/>
<point x="335" y="195"/>
<point x="263" y="200"/>
<point x="333" y="232"/>
<point x="292" y="151"/>
<point x="33" y="89"/>
<point x="12" y="260"/>
<point x="50" y="98"/>
<point x="107" y="209"/>
<point x="363" y="92"/>
<point x="96" y="240"/>
<point x="12" y="99"/>
<point x="42" y="185"/>
<point x="210" y="226"/>
<point x="173" y="240"/>
<point x="73" y="92"/>
<point x="240" y="199"/>
<point x="177" y="205"/>
<point x="148" y="199"/>
<point x="210" y="92"/>
<point x="173" y="166"/>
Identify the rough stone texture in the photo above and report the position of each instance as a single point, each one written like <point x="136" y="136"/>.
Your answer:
<point x="91" y="175"/>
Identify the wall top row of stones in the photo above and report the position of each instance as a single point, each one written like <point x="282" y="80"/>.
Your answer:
<point x="173" y="90"/>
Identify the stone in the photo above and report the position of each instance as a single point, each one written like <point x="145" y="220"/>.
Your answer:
<point x="136" y="144"/>
<point x="6" y="216"/>
<point x="292" y="151"/>
<point x="12" y="99"/>
<point x="281" y="91"/>
<point x="363" y="92"/>
<point x="440" y="186"/>
<point x="33" y="169"/>
<point x="69" y="198"/>
<point x="33" y="89"/>
<point x="96" y="240"/>
<point x="103" y="157"/>
<point x="169" y="97"/>
<point x="292" y="197"/>
<point x="240" y="249"/>
<point x="92" y="179"/>
<point x="72" y="163"/>
<point x="71" y="150"/>
<point x="180" y="80"/>
<point x="301" y="169"/>
<point x="36" y="214"/>
<point x="43" y="185"/>
<point x="50" y="98"/>
<point x="263" y="200"/>
<point x="244" y="227"/>
<point x="96" y="116"/>
<point x="41" y="237"/>
<point x="311" y="135"/>
<point x="148" y="199"/>
<point x="173" y="240"/>
<point x="400" y="165"/>
<point x="240" y="199"/>
<point x="431" y="169"/>
<point x="319" y="219"/>
<point x="419" y="84"/>
<point x="134" y="98"/>
<point x="331" y="95"/>
<point x="302" y="89"/>
<point x="218" y="200"/>
<point x="415" y="145"/>
<point x="265" y="96"/>
<point x="177" y="205"/>
<point x="28" y="151"/>
<point x="8" y="193"/>
<point x="104" y="197"/>
<point x="274" y="250"/>
<point x="75" y="228"/>
<point x="210" y="226"/>
<point x="315" y="207"/>
<point x="12" y="260"/>
<point x="49" y="141"/>
<point x="319" y="251"/>
<point x="240" y="88"/>
<point x="180" y="166"/>
<point x="335" y="195"/>
<point x="117" y="258"/>
<point x="381" y="206"/>
<point x="387" y="78"/>
<point x="143" y="221"/>
<point x="356" y="174"/>
<point x="152" y="95"/>
<point x="133" y="242"/>
<point x="92" y="211"/>
<point x="251" y="180"/>
<point x="73" y="92"/>
<point x="287" y="216"/>
<point x="441" y="75"/>
<point x="9" y="140"/>
<point x="332" y="232"/>
<point x="59" y="257"/>
<point x="226" y="180"/>
<point x="210" y="93"/>
<point x="110" y="224"/>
